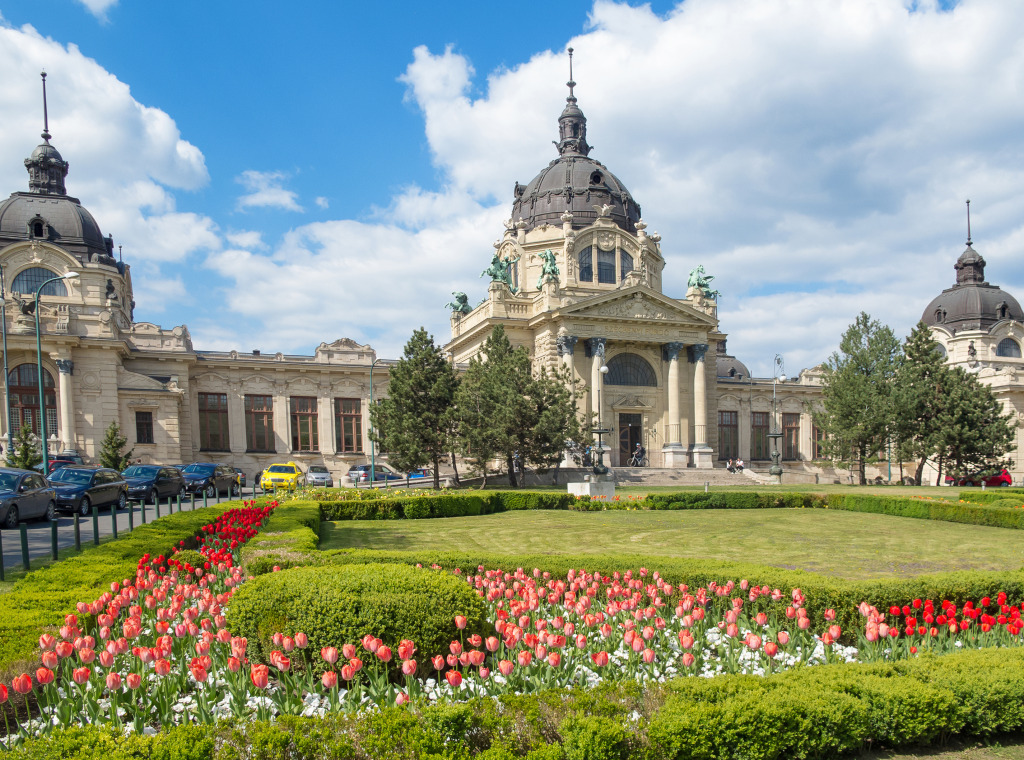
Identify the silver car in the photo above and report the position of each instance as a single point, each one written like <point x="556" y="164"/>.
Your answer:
<point x="319" y="476"/>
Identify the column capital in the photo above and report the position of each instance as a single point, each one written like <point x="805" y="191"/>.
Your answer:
<point x="670" y="351"/>
<point x="566" y="344"/>
<point x="65" y="366"/>
<point x="697" y="351"/>
<point x="595" y="347"/>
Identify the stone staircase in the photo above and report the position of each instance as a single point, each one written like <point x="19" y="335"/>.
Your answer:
<point x="653" y="476"/>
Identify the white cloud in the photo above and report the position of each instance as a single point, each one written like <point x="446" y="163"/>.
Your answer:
<point x="246" y="239"/>
<point x="266" y="191"/>
<point x="321" y="202"/>
<point x="99" y="8"/>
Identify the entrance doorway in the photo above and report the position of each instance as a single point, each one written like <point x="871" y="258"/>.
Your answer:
<point x="631" y="432"/>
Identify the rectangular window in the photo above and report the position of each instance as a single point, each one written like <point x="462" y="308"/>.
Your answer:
<point x="348" y="425"/>
<point x="259" y="423"/>
<point x="144" y="427"/>
<point x="819" y="443"/>
<point x="625" y="264"/>
<point x="305" y="435"/>
<point x="606" y="267"/>
<point x="213" y="421"/>
<point x="759" y="446"/>
<point x="586" y="265"/>
<point x="728" y="435"/>
<point x="791" y="436"/>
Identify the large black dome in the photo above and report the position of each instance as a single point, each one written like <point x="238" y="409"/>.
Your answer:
<point x="574" y="182"/>
<point x="971" y="304"/>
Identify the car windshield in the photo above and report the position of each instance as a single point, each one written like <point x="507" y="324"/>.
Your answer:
<point x="318" y="468"/>
<point x="140" y="471"/>
<point x="200" y="469"/>
<point x="74" y="477"/>
<point x="282" y="468"/>
<point x="8" y="480"/>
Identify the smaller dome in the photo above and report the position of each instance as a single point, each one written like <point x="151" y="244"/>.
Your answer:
<point x="729" y="367"/>
<point x="63" y="218"/>
<point x="971" y="304"/>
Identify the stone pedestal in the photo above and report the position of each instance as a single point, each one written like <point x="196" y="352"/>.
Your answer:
<point x="701" y="456"/>
<point x="675" y="455"/>
<point x="595" y="485"/>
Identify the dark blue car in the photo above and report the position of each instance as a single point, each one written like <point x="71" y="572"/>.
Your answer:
<point x="23" y="496"/>
<point x="81" y="487"/>
<point x="148" y="482"/>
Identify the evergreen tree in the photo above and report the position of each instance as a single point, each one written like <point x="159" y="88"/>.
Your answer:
<point x="477" y="403"/>
<point x="973" y="431"/>
<point x="112" y="452"/>
<point x="857" y="393"/>
<point x="920" y="396"/>
<point x="26" y="453"/>
<point x="415" y="418"/>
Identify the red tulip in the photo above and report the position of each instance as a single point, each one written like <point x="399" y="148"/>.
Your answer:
<point x="525" y="657"/>
<point x="44" y="676"/>
<point x="401" y="699"/>
<point x="771" y="649"/>
<point x="329" y="655"/>
<point x="162" y="667"/>
<point x="113" y="681"/>
<point x="234" y="664"/>
<point x="301" y="640"/>
<point x="438" y="662"/>
<point x="86" y="655"/>
<point x="47" y="642"/>
<point x="600" y="658"/>
<point x="505" y="667"/>
<point x="348" y="651"/>
<point x="835" y="631"/>
<point x="348" y="672"/>
<point x="106" y="659"/>
<point x="460" y="622"/>
<point x="648" y="655"/>
<point x="406" y="649"/>
<point x="49" y="659"/>
<point x="22" y="684"/>
<point x="260" y="676"/>
<point x="688" y="659"/>
<point x="329" y="679"/>
<point x="199" y="672"/>
<point x="803" y="623"/>
<point x="287" y="643"/>
<point x="384" y="654"/>
<point x="492" y="644"/>
<point x="64" y="649"/>
<point x="454" y="678"/>
<point x="134" y="680"/>
<point x="81" y="675"/>
<point x="783" y="638"/>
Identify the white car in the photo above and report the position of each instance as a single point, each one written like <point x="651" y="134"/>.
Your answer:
<point x="319" y="476"/>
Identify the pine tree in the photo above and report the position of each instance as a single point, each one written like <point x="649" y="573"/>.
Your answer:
<point x="857" y="393"/>
<point x="415" y="418"/>
<point x="973" y="431"/>
<point x="26" y="453"/>
<point x="112" y="449"/>
<point x="920" y="396"/>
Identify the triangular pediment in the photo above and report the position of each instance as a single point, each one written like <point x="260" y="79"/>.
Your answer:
<point x="638" y="302"/>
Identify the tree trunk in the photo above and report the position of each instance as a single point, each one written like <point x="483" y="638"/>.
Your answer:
<point x="455" y="469"/>
<point x="511" y="466"/>
<point x="920" y="470"/>
<point x="861" y="469"/>
<point x="938" y="478"/>
<point x="554" y="476"/>
<point x="437" y="472"/>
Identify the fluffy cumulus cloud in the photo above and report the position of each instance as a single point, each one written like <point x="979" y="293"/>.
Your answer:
<point x="127" y="159"/>
<point x="266" y="190"/>
<point x="99" y="8"/>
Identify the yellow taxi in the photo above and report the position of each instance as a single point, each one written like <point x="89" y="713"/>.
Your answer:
<point x="288" y="476"/>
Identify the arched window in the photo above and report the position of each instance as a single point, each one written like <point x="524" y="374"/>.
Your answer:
<point x="29" y="280"/>
<point x="24" y="380"/>
<point x="940" y="350"/>
<point x="1008" y="347"/>
<point x="587" y="264"/>
<point x="606" y="267"/>
<point x="630" y="369"/>
<point x="625" y="264"/>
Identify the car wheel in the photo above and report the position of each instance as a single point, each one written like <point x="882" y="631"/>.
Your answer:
<point x="182" y="493"/>
<point x="51" y="510"/>
<point x="12" y="517"/>
<point x="211" y="491"/>
<point x="969" y="483"/>
<point x="122" y="500"/>
<point x="84" y="507"/>
<point x="151" y="496"/>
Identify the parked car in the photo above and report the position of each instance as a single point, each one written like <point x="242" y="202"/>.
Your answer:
<point x="421" y="472"/>
<point x="989" y="478"/>
<point x="211" y="479"/>
<point x="56" y="462"/>
<point x="320" y="476"/>
<point x="288" y="475"/>
<point x="148" y="482"/>
<point x="24" y="495"/>
<point x="381" y="471"/>
<point x="241" y="476"/>
<point x="80" y="487"/>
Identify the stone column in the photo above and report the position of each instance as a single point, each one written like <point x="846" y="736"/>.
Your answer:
<point x="595" y="347"/>
<point x="65" y="368"/>
<point x="236" y="419"/>
<point x="702" y="453"/>
<point x="282" y="419"/>
<point x="566" y="345"/>
<point x="674" y="453"/>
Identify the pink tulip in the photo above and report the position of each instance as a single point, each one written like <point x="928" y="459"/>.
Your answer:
<point x="384" y="654"/>
<point x="783" y="638"/>
<point x="347" y="672"/>
<point x="554" y="659"/>
<point x="409" y="667"/>
<point x="600" y="658"/>
<point x="44" y="676"/>
<point x="47" y="642"/>
<point x="524" y="658"/>
<point x="835" y="631"/>
<point x="688" y="659"/>
<point x="301" y="640"/>
<point x="348" y="651"/>
<point x="401" y="699"/>
<point x="454" y="678"/>
<point x="771" y="649"/>
<point x="49" y="659"/>
<point x="803" y="623"/>
<point x="460" y="622"/>
<point x="329" y="655"/>
<point x="648" y="656"/>
<point x="329" y="679"/>
<point x="234" y="664"/>
<point x="438" y="662"/>
<point x="134" y="681"/>
<point x="81" y="675"/>
<point x="106" y="659"/>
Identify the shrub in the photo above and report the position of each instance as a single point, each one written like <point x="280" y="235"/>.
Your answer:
<point x="929" y="509"/>
<point x="290" y="537"/>
<point x="338" y="605"/>
<point x="594" y="737"/>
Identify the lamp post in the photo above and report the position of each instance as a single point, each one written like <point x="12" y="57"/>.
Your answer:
<point x="778" y="375"/>
<point x="39" y="374"/>
<point x="7" y="379"/>
<point x="373" y="444"/>
<point x="600" y="430"/>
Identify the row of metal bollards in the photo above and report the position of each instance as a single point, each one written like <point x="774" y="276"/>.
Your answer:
<point x="173" y="504"/>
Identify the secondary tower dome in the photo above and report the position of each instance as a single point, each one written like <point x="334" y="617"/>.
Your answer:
<point x="574" y="182"/>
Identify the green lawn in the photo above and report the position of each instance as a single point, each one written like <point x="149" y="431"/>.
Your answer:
<point x="1014" y="750"/>
<point x="845" y="544"/>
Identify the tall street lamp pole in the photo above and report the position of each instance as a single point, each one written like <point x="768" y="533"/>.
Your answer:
<point x="373" y="444"/>
<point x="778" y="375"/>
<point x="7" y="378"/>
<point x="39" y="374"/>
<point x="600" y="430"/>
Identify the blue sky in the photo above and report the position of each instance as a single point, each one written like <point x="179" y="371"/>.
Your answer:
<point x="280" y="176"/>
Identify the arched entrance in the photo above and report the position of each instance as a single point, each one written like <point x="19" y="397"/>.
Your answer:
<point x="633" y="371"/>
<point x="24" y="382"/>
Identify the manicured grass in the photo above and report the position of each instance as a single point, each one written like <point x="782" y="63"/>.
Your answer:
<point x="1013" y="750"/>
<point x="843" y="544"/>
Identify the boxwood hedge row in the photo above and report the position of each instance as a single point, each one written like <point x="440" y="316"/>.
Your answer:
<point x="823" y="711"/>
<point x="43" y="597"/>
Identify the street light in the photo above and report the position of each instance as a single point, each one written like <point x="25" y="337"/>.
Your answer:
<point x="373" y="444"/>
<point x="600" y="430"/>
<point x="39" y="374"/>
<point x="778" y="375"/>
<point x="7" y="379"/>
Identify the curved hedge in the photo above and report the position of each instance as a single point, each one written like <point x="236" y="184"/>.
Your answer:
<point x="821" y="711"/>
<point x="340" y="604"/>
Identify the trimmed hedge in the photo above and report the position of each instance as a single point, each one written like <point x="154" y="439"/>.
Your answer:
<point x="732" y="500"/>
<point x="821" y="711"/>
<point x="928" y="509"/>
<point x="43" y="597"/>
<point x="338" y="605"/>
<point x="464" y="504"/>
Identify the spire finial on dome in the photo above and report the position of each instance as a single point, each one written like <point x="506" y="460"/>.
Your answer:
<point x="968" y="221"/>
<point x="46" y="117"/>
<point x="570" y="84"/>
